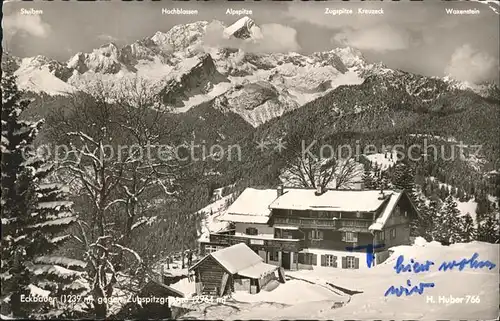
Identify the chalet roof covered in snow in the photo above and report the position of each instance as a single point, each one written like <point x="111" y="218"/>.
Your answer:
<point x="382" y="219"/>
<point x="242" y="260"/>
<point x="252" y="206"/>
<point x="332" y="200"/>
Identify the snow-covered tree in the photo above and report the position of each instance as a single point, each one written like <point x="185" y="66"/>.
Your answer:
<point x="467" y="231"/>
<point x="368" y="181"/>
<point x="381" y="179"/>
<point x="488" y="228"/>
<point x="35" y="216"/>
<point x="424" y="225"/>
<point x="403" y="177"/>
<point x="119" y="174"/>
<point x="447" y="223"/>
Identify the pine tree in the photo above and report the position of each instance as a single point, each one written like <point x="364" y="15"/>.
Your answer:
<point x="467" y="229"/>
<point x="447" y="226"/>
<point x="425" y="225"/>
<point x="367" y="178"/>
<point x="483" y="206"/>
<point x="35" y="214"/>
<point x="403" y="178"/>
<point x="488" y="228"/>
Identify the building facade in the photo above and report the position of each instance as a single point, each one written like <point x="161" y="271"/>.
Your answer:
<point x="298" y="228"/>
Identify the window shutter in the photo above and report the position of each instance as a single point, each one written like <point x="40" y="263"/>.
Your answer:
<point x="343" y="237"/>
<point x="356" y="263"/>
<point x="344" y="262"/>
<point x="334" y="261"/>
<point x="355" y="237"/>
<point x="323" y="260"/>
<point x="314" y="259"/>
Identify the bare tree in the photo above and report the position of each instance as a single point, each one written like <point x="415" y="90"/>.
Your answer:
<point x="115" y="139"/>
<point x="307" y="169"/>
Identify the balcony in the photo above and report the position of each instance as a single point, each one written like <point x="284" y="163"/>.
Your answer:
<point x="357" y="225"/>
<point x="306" y="222"/>
<point x="292" y="245"/>
<point x="348" y="225"/>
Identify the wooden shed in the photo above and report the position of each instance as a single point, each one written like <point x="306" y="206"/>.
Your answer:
<point x="233" y="268"/>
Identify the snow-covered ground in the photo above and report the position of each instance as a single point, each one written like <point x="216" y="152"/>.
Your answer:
<point x="298" y="299"/>
<point x="211" y="222"/>
<point x="291" y="292"/>
<point x="383" y="160"/>
<point x="264" y="305"/>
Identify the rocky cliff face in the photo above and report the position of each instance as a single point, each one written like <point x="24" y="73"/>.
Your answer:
<point x="197" y="76"/>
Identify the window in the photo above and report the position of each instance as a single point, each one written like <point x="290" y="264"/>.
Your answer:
<point x="273" y="256"/>
<point x="251" y="231"/>
<point x="315" y="235"/>
<point x="381" y="235"/>
<point x="350" y="237"/>
<point x="393" y="233"/>
<point x="210" y="249"/>
<point x="307" y="258"/>
<point x="350" y="262"/>
<point x="329" y="260"/>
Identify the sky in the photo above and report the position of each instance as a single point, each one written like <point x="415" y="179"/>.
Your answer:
<point x="417" y="37"/>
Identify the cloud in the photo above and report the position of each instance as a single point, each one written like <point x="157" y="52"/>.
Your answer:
<point x="273" y="38"/>
<point x="400" y="27"/>
<point x="32" y="25"/>
<point x="469" y="64"/>
<point x="278" y="38"/>
<point x="380" y="38"/>
<point x="107" y="38"/>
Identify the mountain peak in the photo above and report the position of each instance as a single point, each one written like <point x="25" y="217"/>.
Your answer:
<point x="244" y="28"/>
<point x="351" y="57"/>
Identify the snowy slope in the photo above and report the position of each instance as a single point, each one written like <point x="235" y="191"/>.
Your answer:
<point x="34" y="75"/>
<point x="211" y="223"/>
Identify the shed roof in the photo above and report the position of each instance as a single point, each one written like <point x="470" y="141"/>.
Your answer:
<point x="238" y="259"/>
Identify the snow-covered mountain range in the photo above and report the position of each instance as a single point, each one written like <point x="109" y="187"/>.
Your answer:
<point x="202" y="61"/>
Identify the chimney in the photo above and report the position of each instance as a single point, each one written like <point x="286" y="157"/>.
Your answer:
<point x="279" y="190"/>
<point x="319" y="190"/>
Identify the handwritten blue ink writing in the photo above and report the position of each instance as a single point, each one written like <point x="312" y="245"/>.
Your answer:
<point x="417" y="267"/>
<point x="472" y="263"/>
<point x="370" y="257"/>
<point x="402" y="290"/>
